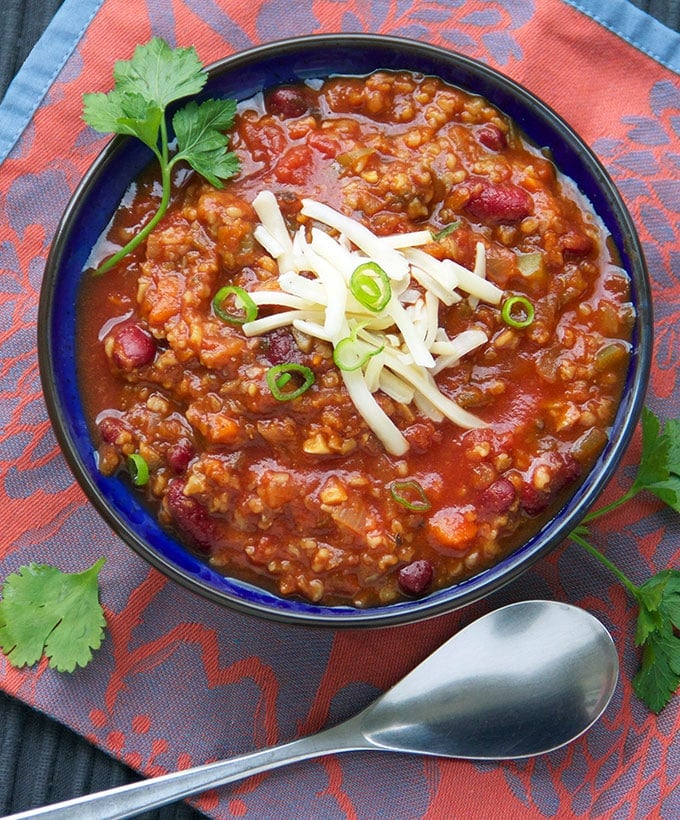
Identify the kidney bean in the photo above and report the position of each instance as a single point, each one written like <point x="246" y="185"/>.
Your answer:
<point x="416" y="577"/>
<point x="565" y="469"/>
<point x="287" y="102"/>
<point x="499" y="201"/>
<point x="492" y="137"/>
<point x="133" y="347"/>
<point x="190" y="517"/>
<point x="498" y="497"/>
<point x="110" y="427"/>
<point x="282" y="347"/>
<point x="568" y="470"/>
<point x="179" y="455"/>
<point x="532" y="500"/>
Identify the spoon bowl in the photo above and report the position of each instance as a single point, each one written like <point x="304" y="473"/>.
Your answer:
<point x="520" y="681"/>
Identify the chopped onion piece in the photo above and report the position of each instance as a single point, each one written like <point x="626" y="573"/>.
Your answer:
<point x="529" y="264"/>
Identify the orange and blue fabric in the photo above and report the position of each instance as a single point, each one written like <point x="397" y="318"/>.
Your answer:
<point x="180" y="681"/>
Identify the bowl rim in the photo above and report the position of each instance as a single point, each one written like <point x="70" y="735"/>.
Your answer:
<point x="552" y="533"/>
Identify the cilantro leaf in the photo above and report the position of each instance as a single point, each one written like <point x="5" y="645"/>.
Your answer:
<point x="655" y="448"/>
<point x="156" y="76"/>
<point x="161" y="74"/>
<point x="46" y="611"/>
<point x="659" y="601"/>
<point x="672" y="430"/>
<point x="121" y="113"/>
<point x="658" y="598"/>
<point x="659" y="674"/>
<point x="201" y="141"/>
<point x="659" y="470"/>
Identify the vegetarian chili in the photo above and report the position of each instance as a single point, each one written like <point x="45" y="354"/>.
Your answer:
<point x="359" y="429"/>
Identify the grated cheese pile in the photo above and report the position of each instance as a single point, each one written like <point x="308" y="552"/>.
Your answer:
<point x="401" y="347"/>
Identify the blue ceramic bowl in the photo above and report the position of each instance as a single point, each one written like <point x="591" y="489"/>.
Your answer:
<point x="240" y="76"/>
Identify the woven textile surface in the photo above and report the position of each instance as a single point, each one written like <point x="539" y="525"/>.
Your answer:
<point x="180" y="681"/>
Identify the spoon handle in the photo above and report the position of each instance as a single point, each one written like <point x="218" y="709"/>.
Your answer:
<point x="133" y="798"/>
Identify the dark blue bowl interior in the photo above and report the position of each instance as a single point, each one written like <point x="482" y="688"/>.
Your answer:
<point x="240" y="77"/>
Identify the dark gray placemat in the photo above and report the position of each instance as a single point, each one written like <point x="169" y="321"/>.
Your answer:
<point x="23" y="21"/>
<point x="42" y="761"/>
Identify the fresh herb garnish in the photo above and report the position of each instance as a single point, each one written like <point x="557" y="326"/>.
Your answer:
<point x="410" y="494"/>
<point x="234" y="305"/>
<point x="445" y="231"/>
<point x="145" y="86"/>
<point x="658" y="598"/>
<point x="518" y="312"/>
<point x="370" y="286"/>
<point x="138" y="469"/>
<point x="46" y="611"/>
<point x="289" y="380"/>
<point x="351" y="353"/>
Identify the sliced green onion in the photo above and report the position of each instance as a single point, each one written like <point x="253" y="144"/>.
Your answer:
<point x="247" y="309"/>
<point x="138" y="469"/>
<point x="410" y="494"/>
<point x="281" y="375"/>
<point x="351" y="353"/>
<point x="517" y="311"/>
<point x="370" y="286"/>
<point x="445" y="231"/>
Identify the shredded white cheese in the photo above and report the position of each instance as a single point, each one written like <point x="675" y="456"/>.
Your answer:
<point x="407" y="346"/>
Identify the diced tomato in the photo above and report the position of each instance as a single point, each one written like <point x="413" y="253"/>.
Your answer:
<point x="326" y="146"/>
<point x="266" y="139"/>
<point x="295" y="165"/>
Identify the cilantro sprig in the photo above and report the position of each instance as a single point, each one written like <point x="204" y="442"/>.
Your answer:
<point x="144" y="87"/>
<point x="46" y="611"/>
<point x="658" y="598"/>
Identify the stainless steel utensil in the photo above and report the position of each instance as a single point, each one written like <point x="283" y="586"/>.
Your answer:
<point x="523" y="680"/>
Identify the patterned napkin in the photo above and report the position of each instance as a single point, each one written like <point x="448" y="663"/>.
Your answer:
<point x="180" y="681"/>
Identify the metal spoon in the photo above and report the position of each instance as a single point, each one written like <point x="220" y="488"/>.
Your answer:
<point x="523" y="680"/>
